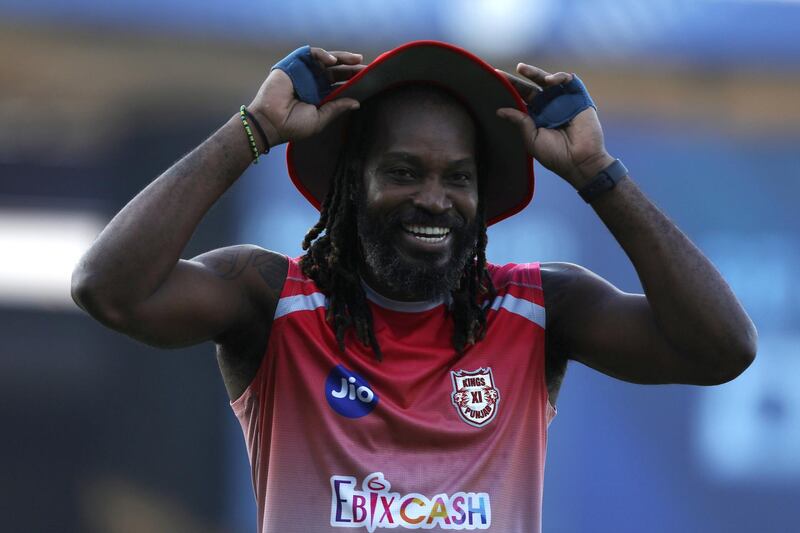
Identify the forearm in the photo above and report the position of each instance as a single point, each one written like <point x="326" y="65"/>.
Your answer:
<point x="137" y="250"/>
<point x="692" y="304"/>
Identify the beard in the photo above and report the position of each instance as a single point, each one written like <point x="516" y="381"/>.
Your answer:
<point x="418" y="279"/>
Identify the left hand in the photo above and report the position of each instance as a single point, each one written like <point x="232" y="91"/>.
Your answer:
<point x="575" y="151"/>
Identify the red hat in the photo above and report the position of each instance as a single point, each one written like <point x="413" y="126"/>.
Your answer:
<point x="509" y="187"/>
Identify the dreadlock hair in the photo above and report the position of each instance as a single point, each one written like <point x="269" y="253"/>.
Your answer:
<point x="332" y="256"/>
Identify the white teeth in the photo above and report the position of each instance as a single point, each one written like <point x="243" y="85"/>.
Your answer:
<point x="427" y="230"/>
<point x="430" y="239"/>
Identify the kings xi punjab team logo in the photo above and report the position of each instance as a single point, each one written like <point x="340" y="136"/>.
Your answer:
<point x="474" y="396"/>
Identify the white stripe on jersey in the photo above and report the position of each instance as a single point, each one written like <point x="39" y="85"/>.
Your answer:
<point x="522" y="307"/>
<point x="300" y="302"/>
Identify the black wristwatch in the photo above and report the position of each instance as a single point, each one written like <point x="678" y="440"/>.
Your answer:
<point x="604" y="181"/>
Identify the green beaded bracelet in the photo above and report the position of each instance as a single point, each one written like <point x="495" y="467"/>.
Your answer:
<point x="252" y="120"/>
<point x="249" y="132"/>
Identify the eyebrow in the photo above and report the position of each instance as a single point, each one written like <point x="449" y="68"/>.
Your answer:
<point x="416" y="159"/>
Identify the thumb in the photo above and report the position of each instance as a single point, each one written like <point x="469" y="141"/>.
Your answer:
<point x="334" y="108"/>
<point x="522" y="120"/>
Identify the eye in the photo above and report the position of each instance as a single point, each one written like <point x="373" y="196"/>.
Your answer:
<point x="402" y="173"/>
<point x="461" y="177"/>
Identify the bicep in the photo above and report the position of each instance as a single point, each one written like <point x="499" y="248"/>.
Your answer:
<point x="193" y="305"/>
<point x="205" y="297"/>
<point x="616" y="333"/>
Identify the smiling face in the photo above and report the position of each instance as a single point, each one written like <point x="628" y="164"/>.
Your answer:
<point x="417" y="214"/>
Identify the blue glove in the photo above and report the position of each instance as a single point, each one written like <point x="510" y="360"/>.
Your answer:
<point x="309" y="79"/>
<point x="557" y="105"/>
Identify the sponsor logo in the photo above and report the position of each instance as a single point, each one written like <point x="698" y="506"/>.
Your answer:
<point x="474" y="396"/>
<point x="376" y="506"/>
<point x="349" y="394"/>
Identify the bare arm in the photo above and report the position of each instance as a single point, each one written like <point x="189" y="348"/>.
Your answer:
<point x="688" y="327"/>
<point x="139" y="251"/>
<point x="689" y="309"/>
<point x="132" y="277"/>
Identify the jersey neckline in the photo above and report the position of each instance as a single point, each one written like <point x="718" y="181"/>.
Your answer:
<point x="418" y="306"/>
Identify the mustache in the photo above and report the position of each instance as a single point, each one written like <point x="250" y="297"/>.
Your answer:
<point x="418" y="217"/>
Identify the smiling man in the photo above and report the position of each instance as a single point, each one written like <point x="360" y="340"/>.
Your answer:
<point x="424" y="147"/>
<point x="392" y="377"/>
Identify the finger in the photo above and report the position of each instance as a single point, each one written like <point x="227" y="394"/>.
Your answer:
<point x="522" y="120"/>
<point x="558" y="78"/>
<point x="526" y="89"/>
<point x="343" y="72"/>
<point x="325" y="58"/>
<point x="334" y="108"/>
<point x="516" y="79"/>
<point x="533" y="73"/>
<point x="347" y="58"/>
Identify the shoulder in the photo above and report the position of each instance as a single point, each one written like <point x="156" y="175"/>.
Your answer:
<point x="238" y="254"/>
<point x="560" y="276"/>
<point x="572" y="292"/>
<point x="527" y="274"/>
<point x="261" y="272"/>
<point x="556" y="277"/>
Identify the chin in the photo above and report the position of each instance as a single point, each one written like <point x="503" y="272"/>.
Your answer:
<point x="419" y="277"/>
<point x="418" y="272"/>
<point x="428" y="262"/>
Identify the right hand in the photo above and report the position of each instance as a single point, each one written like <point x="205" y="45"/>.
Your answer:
<point x="285" y="117"/>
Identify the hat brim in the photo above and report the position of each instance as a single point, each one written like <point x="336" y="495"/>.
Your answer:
<point x="510" y="181"/>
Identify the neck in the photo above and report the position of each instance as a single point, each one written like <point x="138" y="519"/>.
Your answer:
<point x="403" y="306"/>
<point x="385" y="290"/>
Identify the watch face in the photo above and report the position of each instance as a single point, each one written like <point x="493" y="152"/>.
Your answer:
<point x="617" y="170"/>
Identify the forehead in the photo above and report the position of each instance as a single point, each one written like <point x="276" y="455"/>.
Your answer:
<point x="422" y="122"/>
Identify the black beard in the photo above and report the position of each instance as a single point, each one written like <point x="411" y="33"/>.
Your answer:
<point x="424" y="282"/>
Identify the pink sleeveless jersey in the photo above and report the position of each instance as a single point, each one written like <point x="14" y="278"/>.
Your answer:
<point x="422" y="440"/>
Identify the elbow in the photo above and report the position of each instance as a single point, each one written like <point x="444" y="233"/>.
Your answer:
<point x="83" y="291"/>
<point x="737" y="357"/>
<point x="90" y="297"/>
<point x="734" y="366"/>
<point x="78" y="289"/>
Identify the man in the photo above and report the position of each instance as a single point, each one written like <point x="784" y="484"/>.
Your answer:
<point x="392" y="376"/>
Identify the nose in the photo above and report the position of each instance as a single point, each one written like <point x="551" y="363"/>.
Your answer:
<point x="433" y="196"/>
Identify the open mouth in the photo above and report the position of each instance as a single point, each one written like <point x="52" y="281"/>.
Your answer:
<point x="430" y="234"/>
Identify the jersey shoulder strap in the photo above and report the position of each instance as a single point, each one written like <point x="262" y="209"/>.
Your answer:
<point x="519" y="290"/>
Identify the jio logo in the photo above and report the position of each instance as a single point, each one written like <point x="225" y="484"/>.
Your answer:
<point x="348" y="393"/>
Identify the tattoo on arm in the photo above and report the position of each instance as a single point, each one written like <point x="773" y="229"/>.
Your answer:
<point x="231" y="264"/>
<point x="271" y="273"/>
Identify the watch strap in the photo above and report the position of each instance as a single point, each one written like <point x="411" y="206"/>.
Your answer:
<point x="604" y="181"/>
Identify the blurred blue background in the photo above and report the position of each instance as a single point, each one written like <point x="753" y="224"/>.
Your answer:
<point x="699" y="98"/>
